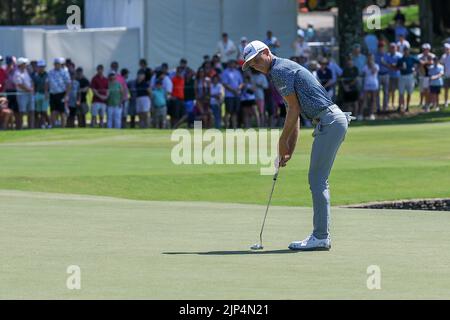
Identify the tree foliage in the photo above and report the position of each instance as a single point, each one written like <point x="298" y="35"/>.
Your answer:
<point x="35" y="12"/>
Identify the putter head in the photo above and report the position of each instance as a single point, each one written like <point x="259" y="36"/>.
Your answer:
<point x="257" y="246"/>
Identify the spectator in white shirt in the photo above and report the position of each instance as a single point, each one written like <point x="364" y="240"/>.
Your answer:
<point x="25" y="90"/>
<point x="445" y="61"/>
<point x="241" y="47"/>
<point x="301" y="48"/>
<point x="402" y="43"/>
<point x="371" y="84"/>
<point x="227" y="49"/>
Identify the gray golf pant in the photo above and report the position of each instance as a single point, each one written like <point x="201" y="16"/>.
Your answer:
<point x="328" y="134"/>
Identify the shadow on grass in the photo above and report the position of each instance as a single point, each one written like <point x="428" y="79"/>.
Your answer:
<point x="233" y="252"/>
<point x="420" y="118"/>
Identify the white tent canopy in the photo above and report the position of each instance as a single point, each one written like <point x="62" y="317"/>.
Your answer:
<point x="171" y="29"/>
<point x="86" y="47"/>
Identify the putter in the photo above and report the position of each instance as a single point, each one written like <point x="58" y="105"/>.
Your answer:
<point x="259" y="246"/>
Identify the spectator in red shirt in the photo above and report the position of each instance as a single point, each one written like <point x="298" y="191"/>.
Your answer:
<point x="176" y="103"/>
<point x="99" y="86"/>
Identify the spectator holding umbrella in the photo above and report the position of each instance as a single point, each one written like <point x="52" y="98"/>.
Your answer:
<point x="25" y="91"/>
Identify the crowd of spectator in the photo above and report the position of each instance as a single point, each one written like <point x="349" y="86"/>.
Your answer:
<point x="218" y="93"/>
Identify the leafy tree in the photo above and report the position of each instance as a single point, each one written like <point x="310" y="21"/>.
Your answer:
<point x="35" y="12"/>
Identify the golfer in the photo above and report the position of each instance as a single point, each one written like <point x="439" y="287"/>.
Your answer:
<point x="303" y="94"/>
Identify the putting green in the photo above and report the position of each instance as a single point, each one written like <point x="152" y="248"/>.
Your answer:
<point x="186" y="250"/>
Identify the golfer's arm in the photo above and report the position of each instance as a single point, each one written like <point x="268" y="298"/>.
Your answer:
<point x="291" y="125"/>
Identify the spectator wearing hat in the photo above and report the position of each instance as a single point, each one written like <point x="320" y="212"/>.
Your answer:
<point x="445" y="61"/>
<point x="226" y="49"/>
<point x="114" y="101"/>
<point x="381" y="58"/>
<point x="74" y="100"/>
<point x="391" y="60"/>
<point x="59" y="87"/>
<point x="406" y="65"/>
<point x="301" y="48"/>
<point x="371" y="85"/>
<point x="232" y="82"/>
<point x="325" y="76"/>
<point x="6" y="113"/>
<point x="241" y="47"/>
<point x="436" y="74"/>
<point x="272" y="42"/>
<point x="41" y="95"/>
<point x="336" y="71"/>
<point x="426" y="61"/>
<point x="99" y="86"/>
<point x="143" y="102"/>
<point x="83" y="107"/>
<point x="25" y="91"/>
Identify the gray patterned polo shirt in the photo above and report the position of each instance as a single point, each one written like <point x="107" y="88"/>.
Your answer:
<point x="289" y="77"/>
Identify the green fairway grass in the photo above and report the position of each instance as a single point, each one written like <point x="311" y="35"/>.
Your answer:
<point x="185" y="250"/>
<point x="387" y="162"/>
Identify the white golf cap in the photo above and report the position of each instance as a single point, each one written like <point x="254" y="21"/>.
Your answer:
<point x="22" y="60"/>
<point x="41" y="63"/>
<point x="426" y="46"/>
<point x="447" y="45"/>
<point x="244" y="39"/>
<point x="60" y="60"/>
<point x="301" y="33"/>
<point x="252" y="50"/>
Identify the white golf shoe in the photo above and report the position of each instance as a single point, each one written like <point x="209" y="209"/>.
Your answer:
<point x="311" y="244"/>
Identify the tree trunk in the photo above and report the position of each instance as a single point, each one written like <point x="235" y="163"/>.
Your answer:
<point x="426" y="21"/>
<point x="350" y="26"/>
